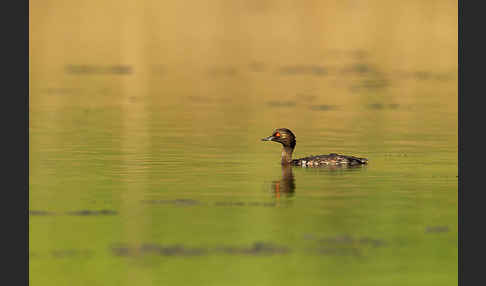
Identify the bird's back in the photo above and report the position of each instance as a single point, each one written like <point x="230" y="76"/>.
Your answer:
<point x="332" y="159"/>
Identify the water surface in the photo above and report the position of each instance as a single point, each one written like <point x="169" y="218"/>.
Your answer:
<point x="146" y="165"/>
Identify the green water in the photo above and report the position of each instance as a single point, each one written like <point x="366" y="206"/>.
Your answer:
<point x="206" y="186"/>
<point x="146" y="165"/>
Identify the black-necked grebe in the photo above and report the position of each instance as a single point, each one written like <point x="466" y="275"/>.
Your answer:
<point x="285" y="137"/>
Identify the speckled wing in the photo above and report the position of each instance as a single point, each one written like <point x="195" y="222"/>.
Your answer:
<point x="332" y="159"/>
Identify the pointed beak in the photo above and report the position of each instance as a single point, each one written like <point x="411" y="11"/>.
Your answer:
<point x="269" y="138"/>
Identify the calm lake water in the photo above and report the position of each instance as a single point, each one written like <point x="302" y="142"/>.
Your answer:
<point x="146" y="165"/>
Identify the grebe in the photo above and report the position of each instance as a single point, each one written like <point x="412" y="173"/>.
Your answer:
<point x="285" y="137"/>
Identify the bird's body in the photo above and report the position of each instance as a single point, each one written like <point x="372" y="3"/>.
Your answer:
<point x="332" y="159"/>
<point x="287" y="139"/>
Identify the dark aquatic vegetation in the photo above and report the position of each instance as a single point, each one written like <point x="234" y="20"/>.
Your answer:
<point x="243" y="204"/>
<point x="343" y="245"/>
<point x="370" y="84"/>
<point x="76" y="213"/>
<point x="323" y="107"/>
<point x="285" y="137"/>
<point x="348" y="240"/>
<point x="337" y="239"/>
<point x="375" y="106"/>
<point x="177" y="202"/>
<point x="162" y="250"/>
<point x="92" y="212"/>
<point x="191" y="202"/>
<point x="40" y="213"/>
<point x="372" y="241"/>
<point x="258" y="248"/>
<point x="94" y="69"/>
<point x="382" y="106"/>
<point x="359" y="68"/>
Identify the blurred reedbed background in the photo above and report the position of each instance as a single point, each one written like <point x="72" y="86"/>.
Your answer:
<point x="145" y="160"/>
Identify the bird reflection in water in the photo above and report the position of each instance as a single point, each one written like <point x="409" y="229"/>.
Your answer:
<point x="286" y="185"/>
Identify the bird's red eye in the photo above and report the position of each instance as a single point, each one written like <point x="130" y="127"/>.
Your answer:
<point x="277" y="134"/>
